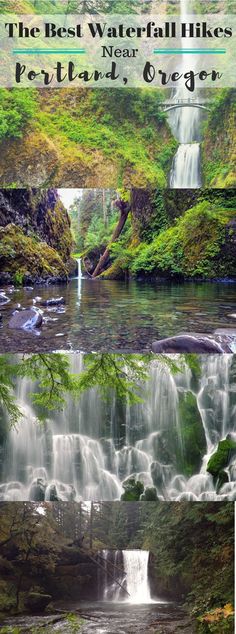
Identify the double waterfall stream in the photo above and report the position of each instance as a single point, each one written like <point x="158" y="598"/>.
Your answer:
<point x="87" y="451"/>
<point x="185" y="123"/>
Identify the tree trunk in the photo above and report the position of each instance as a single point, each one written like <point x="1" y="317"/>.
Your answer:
<point x="109" y="573"/>
<point x="124" y="208"/>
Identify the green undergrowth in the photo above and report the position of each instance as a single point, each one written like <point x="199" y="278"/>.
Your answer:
<point x="124" y="128"/>
<point x="17" y="108"/>
<point x="195" y="246"/>
<point x="127" y="128"/>
<point x="219" y="145"/>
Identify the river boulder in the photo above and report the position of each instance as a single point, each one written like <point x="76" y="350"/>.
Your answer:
<point x="37" y="601"/>
<point x="4" y="299"/>
<point x="149" y="495"/>
<point x="187" y="343"/>
<point x="133" y="489"/>
<point x="52" y="493"/>
<point x="222" y="479"/>
<point x="26" y="319"/>
<point x="221" y="458"/>
<point x="161" y="474"/>
<point x="37" y="491"/>
<point x="54" y="301"/>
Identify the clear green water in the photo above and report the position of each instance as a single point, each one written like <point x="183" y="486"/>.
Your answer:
<point x="112" y="315"/>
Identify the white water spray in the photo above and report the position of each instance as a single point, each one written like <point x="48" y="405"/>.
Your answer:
<point x="185" y="123"/>
<point x="79" y="278"/>
<point x="136" y="568"/>
<point x="126" y="576"/>
<point x="90" y="448"/>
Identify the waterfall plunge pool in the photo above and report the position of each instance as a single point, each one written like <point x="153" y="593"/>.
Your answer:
<point x="110" y="316"/>
<point x="113" y="613"/>
<point x="113" y="618"/>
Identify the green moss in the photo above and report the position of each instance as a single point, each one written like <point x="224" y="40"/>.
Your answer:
<point x="220" y="459"/>
<point x="219" y="145"/>
<point x="133" y="146"/>
<point x="122" y="130"/>
<point x="133" y="490"/>
<point x="58" y="230"/>
<point x="7" y="596"/>
<point x="192" y="433"/>
<point x="193" y="247"/>
<point x="4" y="427"/>
<point x="149" y="495"/>
<point x="21" y="256"/>
<point x="17" y="108"/>
<point x="223" y="478"/>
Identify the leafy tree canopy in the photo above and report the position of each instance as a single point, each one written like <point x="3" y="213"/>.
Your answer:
<point x="121" y="373"/>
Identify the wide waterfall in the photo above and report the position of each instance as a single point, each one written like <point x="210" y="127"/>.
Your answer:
<point x="90" y="448"/>
<point x="125" y="576"/>
<point x="186" y="123"/>
<point x="136" y="568"/>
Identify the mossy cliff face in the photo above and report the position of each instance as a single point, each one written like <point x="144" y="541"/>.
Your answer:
<point x="181" y="235"/>
<point x="35" y="236"/>
<point x="219" y="145"/>
<point x="87" y="138"/>
<point x="153" y="212"/>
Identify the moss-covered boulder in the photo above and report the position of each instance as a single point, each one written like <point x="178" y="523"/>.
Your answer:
<point x="149" y="495"/>
<point x="133" y="490"/>
<point x="221" y="458"/>
<point x="192" y="434"/>
<point x="222" y="479"/>
<point x="37" y="601"/>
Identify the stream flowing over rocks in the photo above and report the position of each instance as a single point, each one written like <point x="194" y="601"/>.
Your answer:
<point x="112" y="618"/>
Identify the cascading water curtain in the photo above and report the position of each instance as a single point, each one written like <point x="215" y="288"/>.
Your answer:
<point x="165" y="442"/>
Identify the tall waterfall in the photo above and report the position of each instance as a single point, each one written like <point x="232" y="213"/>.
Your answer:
<point x="79" y="278"/>
<point x="185" y="171"/>
<point x="185" y="123"/>
<point x="136" y="568"/>
<point x="79" y="268"/>
<point x="91" y="447"/>
<point x="126" y="576"/>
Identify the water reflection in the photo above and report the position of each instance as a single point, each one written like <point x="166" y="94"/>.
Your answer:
<point x="115" y="315"/>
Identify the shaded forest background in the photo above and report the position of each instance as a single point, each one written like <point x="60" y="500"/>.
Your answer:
<point x="170" y="234"/>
